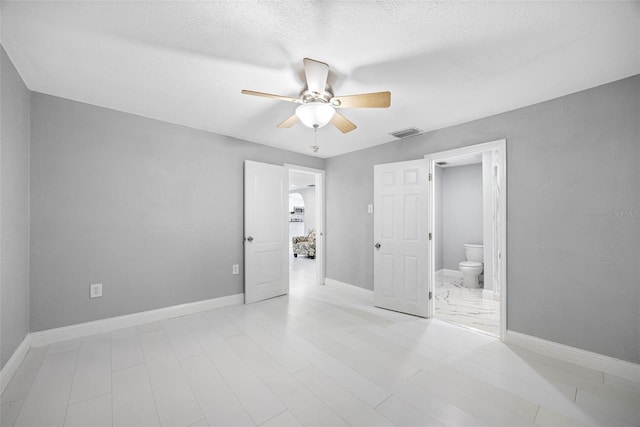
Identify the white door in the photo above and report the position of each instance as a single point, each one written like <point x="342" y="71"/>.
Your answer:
<point x="401" y="237"/>
<point x="266" y="228"/>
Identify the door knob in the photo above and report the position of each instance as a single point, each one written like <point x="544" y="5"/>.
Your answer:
<point x="250" y="238"/>
<point x="378" y="245"/>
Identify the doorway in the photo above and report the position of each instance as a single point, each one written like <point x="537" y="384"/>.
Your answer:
<point x="467" y="213"/>
<point x="306" y="227"/>
<point x="266" y="227"/>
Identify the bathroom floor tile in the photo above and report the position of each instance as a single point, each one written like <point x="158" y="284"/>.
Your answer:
<point x="466" y="306"/>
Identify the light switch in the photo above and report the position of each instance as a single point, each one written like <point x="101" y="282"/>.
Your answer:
<point x="369" y="208"/>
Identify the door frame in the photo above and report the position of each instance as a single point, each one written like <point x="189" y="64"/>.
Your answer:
<point x="501" y="147"/>
<point x="319" y="214"/>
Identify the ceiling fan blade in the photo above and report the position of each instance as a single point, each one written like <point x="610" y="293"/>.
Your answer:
<point x="269" y="95"/>
<point x="316" y="73"/>
<point x="342" y="123"/>
<point x="363" y="100"/>
<point x="289" y="122"/>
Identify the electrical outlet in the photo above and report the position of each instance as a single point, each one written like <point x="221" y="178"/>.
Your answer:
<point x="95" y="290"/>
<point x="235" y="269"/>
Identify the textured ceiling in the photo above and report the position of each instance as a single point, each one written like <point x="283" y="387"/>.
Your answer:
<point x="444" y="62"/>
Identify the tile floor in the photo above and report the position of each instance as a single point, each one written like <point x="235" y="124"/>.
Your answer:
<point x="465" y="306"/>
<point x="321" y="356"/>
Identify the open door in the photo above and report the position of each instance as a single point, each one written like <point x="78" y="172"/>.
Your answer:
<point x="318" y="212"/>
<point x="266" y="228"/>
<point x="401" y="237"/>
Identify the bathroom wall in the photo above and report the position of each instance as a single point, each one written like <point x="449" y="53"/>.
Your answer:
<point x="462" y="211"/>
<point x="152" y="210"/>
<point x="14" y="208"/>
<point x="573" y="231"/>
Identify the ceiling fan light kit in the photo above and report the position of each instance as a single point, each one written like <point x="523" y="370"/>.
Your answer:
<point x="315" y="114"/>
<point x="318" y="104"/>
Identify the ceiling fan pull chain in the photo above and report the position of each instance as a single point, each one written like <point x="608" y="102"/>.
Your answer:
<point x="315" y="147"/>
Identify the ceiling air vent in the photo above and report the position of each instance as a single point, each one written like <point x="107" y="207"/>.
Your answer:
<point x="406" y="133"/>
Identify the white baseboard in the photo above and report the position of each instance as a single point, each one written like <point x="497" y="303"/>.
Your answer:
<point x="448" y="272"/>
<point x="14" y="362"/>
<point x="49" y="336"/>
<point x="588" y="359"/>
<point x="339" y="284"/>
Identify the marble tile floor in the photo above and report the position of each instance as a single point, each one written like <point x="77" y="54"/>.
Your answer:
<point x="465" y="306"/>
<point x="321" y="356"/>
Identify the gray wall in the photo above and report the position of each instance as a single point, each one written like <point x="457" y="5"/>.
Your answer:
<point x="461" y="211"/>
<point x="154" y="211"/>
<point x="309" y="197"/>
<point x="573" y="228"/>
<point x="14" y="209"/>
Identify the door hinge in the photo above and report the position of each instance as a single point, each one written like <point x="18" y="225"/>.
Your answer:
<point x="430" y="176"/>
<point x="430" y="295"/>
<point x="430" y="236"/>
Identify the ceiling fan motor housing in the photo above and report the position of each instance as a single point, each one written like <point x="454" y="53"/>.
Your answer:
<point x="309" y="96"/>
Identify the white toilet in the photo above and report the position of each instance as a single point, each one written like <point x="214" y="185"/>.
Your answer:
<point x="472" y="267"/>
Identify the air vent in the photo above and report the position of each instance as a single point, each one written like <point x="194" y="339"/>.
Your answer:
<point x="441" y="163"/>
<point x="406" y="133"/>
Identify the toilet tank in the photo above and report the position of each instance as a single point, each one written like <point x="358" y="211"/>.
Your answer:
<point x="474" y="252"/>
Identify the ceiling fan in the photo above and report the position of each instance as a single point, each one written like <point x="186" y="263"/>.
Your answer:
<point x="318" y="103"/>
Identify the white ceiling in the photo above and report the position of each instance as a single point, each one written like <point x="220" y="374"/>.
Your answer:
<point x="444" y="62"/>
